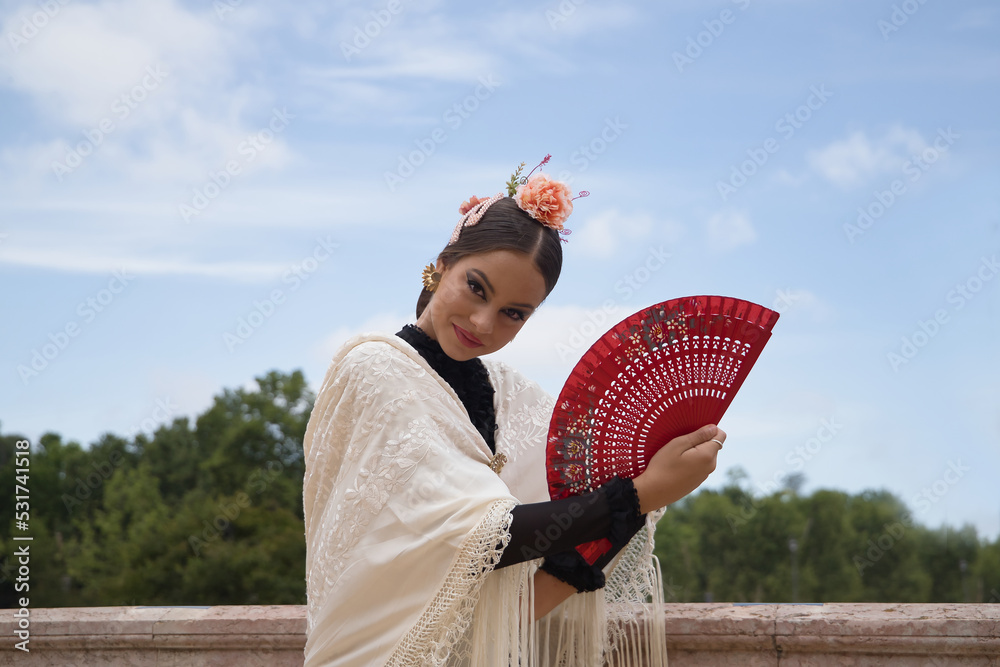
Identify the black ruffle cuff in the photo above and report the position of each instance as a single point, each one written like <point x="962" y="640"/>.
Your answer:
<point x="625" y="521"/>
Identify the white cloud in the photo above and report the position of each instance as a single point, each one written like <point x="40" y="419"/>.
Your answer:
<point x="418" y="43"/>
<point x="375" y="62"/>
<point x="570" y="20"/>
<point x="349" y="100"/>
<point x="730" y="229"/>
<point x="87" y="56"/>
<point x="29" y="167"/>
<point x="407" y="60"/>
<point x="385" y="323"/>
<point x="171" y="393"/>
<point x="603" y="233"/>
<point x="796" y="303"/>
<point x="95" y="227"/>
<point x="783" y="426"/>
<point x="141" y="88"/>
<point x="96" y="261"/>
<point x="787" y="178"/>
<point x="101" y="239"/>
<point x="555" y="337"/>
<point x="857" y="160"/>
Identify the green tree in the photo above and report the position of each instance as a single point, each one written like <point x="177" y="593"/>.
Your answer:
<point x="212" y="514"/>
<point x="203" y="515"/>
<point x="828" y="550"/>
<point x="245" y="432"/>
<point x="987" y="573"/>
<point x="949" y="557"/>
<point x="886" y="549"/>
<point x="120" y="555"/>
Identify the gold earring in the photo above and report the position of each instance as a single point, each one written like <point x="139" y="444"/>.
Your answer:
<point x="431" y="278"/>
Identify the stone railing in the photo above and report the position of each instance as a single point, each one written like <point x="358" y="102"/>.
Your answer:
<point x="721" y="635"/>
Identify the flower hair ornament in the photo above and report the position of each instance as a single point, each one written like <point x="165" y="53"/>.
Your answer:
<point x="548" y="201"/>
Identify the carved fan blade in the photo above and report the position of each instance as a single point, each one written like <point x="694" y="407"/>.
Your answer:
<point x="662" y="372"/>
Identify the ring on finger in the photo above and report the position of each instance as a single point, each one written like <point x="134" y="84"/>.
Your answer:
<point x="718" y="441"/>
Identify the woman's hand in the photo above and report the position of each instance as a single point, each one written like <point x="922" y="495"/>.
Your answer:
<point x="678" y="468"/>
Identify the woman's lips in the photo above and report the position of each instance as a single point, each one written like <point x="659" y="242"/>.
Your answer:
<point x="466" y="338"/>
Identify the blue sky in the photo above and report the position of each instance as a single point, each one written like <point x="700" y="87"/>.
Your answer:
<point x="169" y="169"/>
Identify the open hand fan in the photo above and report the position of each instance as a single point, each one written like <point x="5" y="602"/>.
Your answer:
<point x="662" y="372"/>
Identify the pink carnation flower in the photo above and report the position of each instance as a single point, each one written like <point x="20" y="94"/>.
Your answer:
<point x="467" y="206"/>
<point x="547" y="201"/>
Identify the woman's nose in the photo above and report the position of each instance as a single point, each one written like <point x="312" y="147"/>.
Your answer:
<point x="483" y="321"/>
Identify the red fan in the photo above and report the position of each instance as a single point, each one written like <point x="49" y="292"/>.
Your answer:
<point x="662" y="372"/>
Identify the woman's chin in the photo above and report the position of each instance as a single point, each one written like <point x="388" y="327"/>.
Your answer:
<point x="462" y="353"/>
<point x="458" y="351"/>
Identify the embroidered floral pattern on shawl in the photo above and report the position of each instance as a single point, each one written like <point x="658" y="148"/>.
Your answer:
<point x="405" y="522"/>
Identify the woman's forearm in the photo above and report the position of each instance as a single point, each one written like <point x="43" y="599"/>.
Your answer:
<point x="549" y="593"/>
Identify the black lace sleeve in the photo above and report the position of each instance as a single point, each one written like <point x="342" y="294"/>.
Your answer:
<point x="552" y="530"/>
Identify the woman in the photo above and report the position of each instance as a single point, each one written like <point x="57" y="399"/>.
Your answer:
<point x="430" y="537"/>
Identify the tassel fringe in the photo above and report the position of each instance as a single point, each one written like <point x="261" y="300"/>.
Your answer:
<point x="619" y="626"/>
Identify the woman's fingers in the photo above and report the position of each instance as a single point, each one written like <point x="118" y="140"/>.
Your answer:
<point x="719" y="438"/>
<point x="699" y="437"/>
<point x="708" y="447"/>
<point x="679" y="467"/>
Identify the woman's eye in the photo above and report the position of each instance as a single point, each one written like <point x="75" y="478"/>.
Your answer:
<point x="477" y="289"/>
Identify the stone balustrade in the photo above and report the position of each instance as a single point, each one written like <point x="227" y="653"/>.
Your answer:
<point x="698" y="635"/>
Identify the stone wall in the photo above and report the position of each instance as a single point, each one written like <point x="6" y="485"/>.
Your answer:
<point x="699" y="635"/>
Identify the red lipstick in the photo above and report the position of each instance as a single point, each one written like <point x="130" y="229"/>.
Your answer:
<point x="465" y="338"/>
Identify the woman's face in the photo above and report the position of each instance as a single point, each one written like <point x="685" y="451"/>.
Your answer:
<point x="482" y="302"/>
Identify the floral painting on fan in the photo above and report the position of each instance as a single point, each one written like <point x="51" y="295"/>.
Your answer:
<point x="658" y="374"/>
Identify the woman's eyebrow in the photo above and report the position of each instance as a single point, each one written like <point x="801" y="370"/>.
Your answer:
<point x="489" y="286"/>
<point x="482" y="276"/>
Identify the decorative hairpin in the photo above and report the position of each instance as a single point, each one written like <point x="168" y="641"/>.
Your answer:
<point x="547" y="201"/>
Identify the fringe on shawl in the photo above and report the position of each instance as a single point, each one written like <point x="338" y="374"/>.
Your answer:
<point x="574" y="633"/>
<point x="504" y="632"/>
<point x="442" y="637"/>
<point x="636" y="630"/>
<point x="503" y="625"/>
<point x="485" y="618"/>
<point x="620" y="626"/>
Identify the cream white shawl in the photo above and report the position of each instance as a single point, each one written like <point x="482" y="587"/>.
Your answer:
<point x="405" y="521"/>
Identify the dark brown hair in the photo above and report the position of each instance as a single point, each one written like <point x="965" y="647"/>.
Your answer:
<point x="505" y="226"/>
